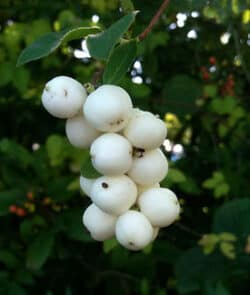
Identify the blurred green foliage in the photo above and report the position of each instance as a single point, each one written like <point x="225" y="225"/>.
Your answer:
<point x="200" y="86"/>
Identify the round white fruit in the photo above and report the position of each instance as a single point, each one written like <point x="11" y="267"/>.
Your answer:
<point x="148" y="167"/>
<point x="100" y="224"/>
<point x="133" y="230"/>
<point x="143" y="188"/>
<point x="80" y="134"/>
<point x="86" y="185"/>
<point x="108" y="108"/>
<point x="160" y="206"/>
<point x="144" y="130"/>
<point x="63" y="97"/>
<point x="111" y="154"/>
<point x="114" y="194"/>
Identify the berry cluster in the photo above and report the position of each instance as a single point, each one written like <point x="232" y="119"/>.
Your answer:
<point x="124" y="146"/>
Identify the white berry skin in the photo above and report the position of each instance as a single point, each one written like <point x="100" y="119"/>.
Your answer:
<point x="111" y="154"/>
<point x="143" y="188"/>
<point x="100" y="224"/>
<point x="86" y="185"/>
<point x="149" y="168"/>
<point x="144" y="130"/>
<point x="80" y="134"/>
<point x="63" y="97"/>
<point x="114" y="194"/>
<point x="160" y="206"/>
<point x="155" y="233"/>
<point x="133" y="230"/>
<point x="108" y="108"/>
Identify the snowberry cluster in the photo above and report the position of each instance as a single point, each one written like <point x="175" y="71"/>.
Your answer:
<point x="124" y="142"/>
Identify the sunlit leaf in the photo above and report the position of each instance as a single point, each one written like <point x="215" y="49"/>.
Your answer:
<point x="101" y="45"/>
<point x="51" y="41"/>
<point x="119" y="61"/>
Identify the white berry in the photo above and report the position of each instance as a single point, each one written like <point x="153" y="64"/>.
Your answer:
<point x="80" y="134"/>
<point x="144" y="130"/>
<point x="160" y="206"/>
<point x="111" y="154"/>
<point x="114" y="195"/>
<point x="148" y="167"/>
<point x="100" y="224"/>
<point x="133" y="230"/>
<point x="108" y="108"/>
<point x="63" y="97"/>
<point x="143" y="188"/>
<point x="86" y="185"/>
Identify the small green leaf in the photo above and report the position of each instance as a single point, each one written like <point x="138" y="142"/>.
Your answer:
<point x="148" y="249"/>
<point x="227" y="237"/>
<point x="176" y="175"/>
<point x="39" y="250"/>
<point x="127" y="5"/>
<point x="221" y="190"/>
<point x="21" y="79"/>
<point x="88" y="170"/>
<point x="51" y="41"/>
<point x="109" y="245"/>
<point x="228" y="250"/>
<point x="119" y="61"/>
<point x="6" y="72"/>
<point x="101" y="45"/>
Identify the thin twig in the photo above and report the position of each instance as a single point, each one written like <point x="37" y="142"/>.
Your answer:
<point x="97" y="76"/>
<point x="188" y="230"/>
<point x="154" y="20"/>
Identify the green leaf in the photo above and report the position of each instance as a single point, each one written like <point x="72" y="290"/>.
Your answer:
<point x="181" y="93"/>
<point x="88" y="170"/>
<point x="221" y="289"/>
<point x="6" y="72"/>
<point x="70" y="222"/>
<point x="24" y="277"/>
<point x="221" y="190"/>
<point x="176" y="175"/>
<point x="227" y="237"/>
<point x="56" y="149"/>
<point x="194" y="267"/>
<point x="51" y="41"/>
<point x="144" y="287"/>
<point x="233" y="217"/>
<point x="15" y="153"/>
<point x="109" y="245"/>
<point x="228" y="249"/>
<point x="127" y="6"/>
<point x="15" y="289"/>
<point x="119" y="61"/>
<point x="223" y="106"/>
<point x="101" y="45"/>
<point x="29" y="226"/>
<point x="39" y="250"/>
<point x="8" y="258"/>
<point x="21" y="79"/>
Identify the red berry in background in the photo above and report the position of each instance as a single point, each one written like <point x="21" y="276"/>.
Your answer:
<point x="30" y="196"/>
<point x="12" y="209"/>
<point x="203" y="69"/>
<point x="205" y="76"/>
<point x="212" y="60"/>
<point x="21" y="212"/>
